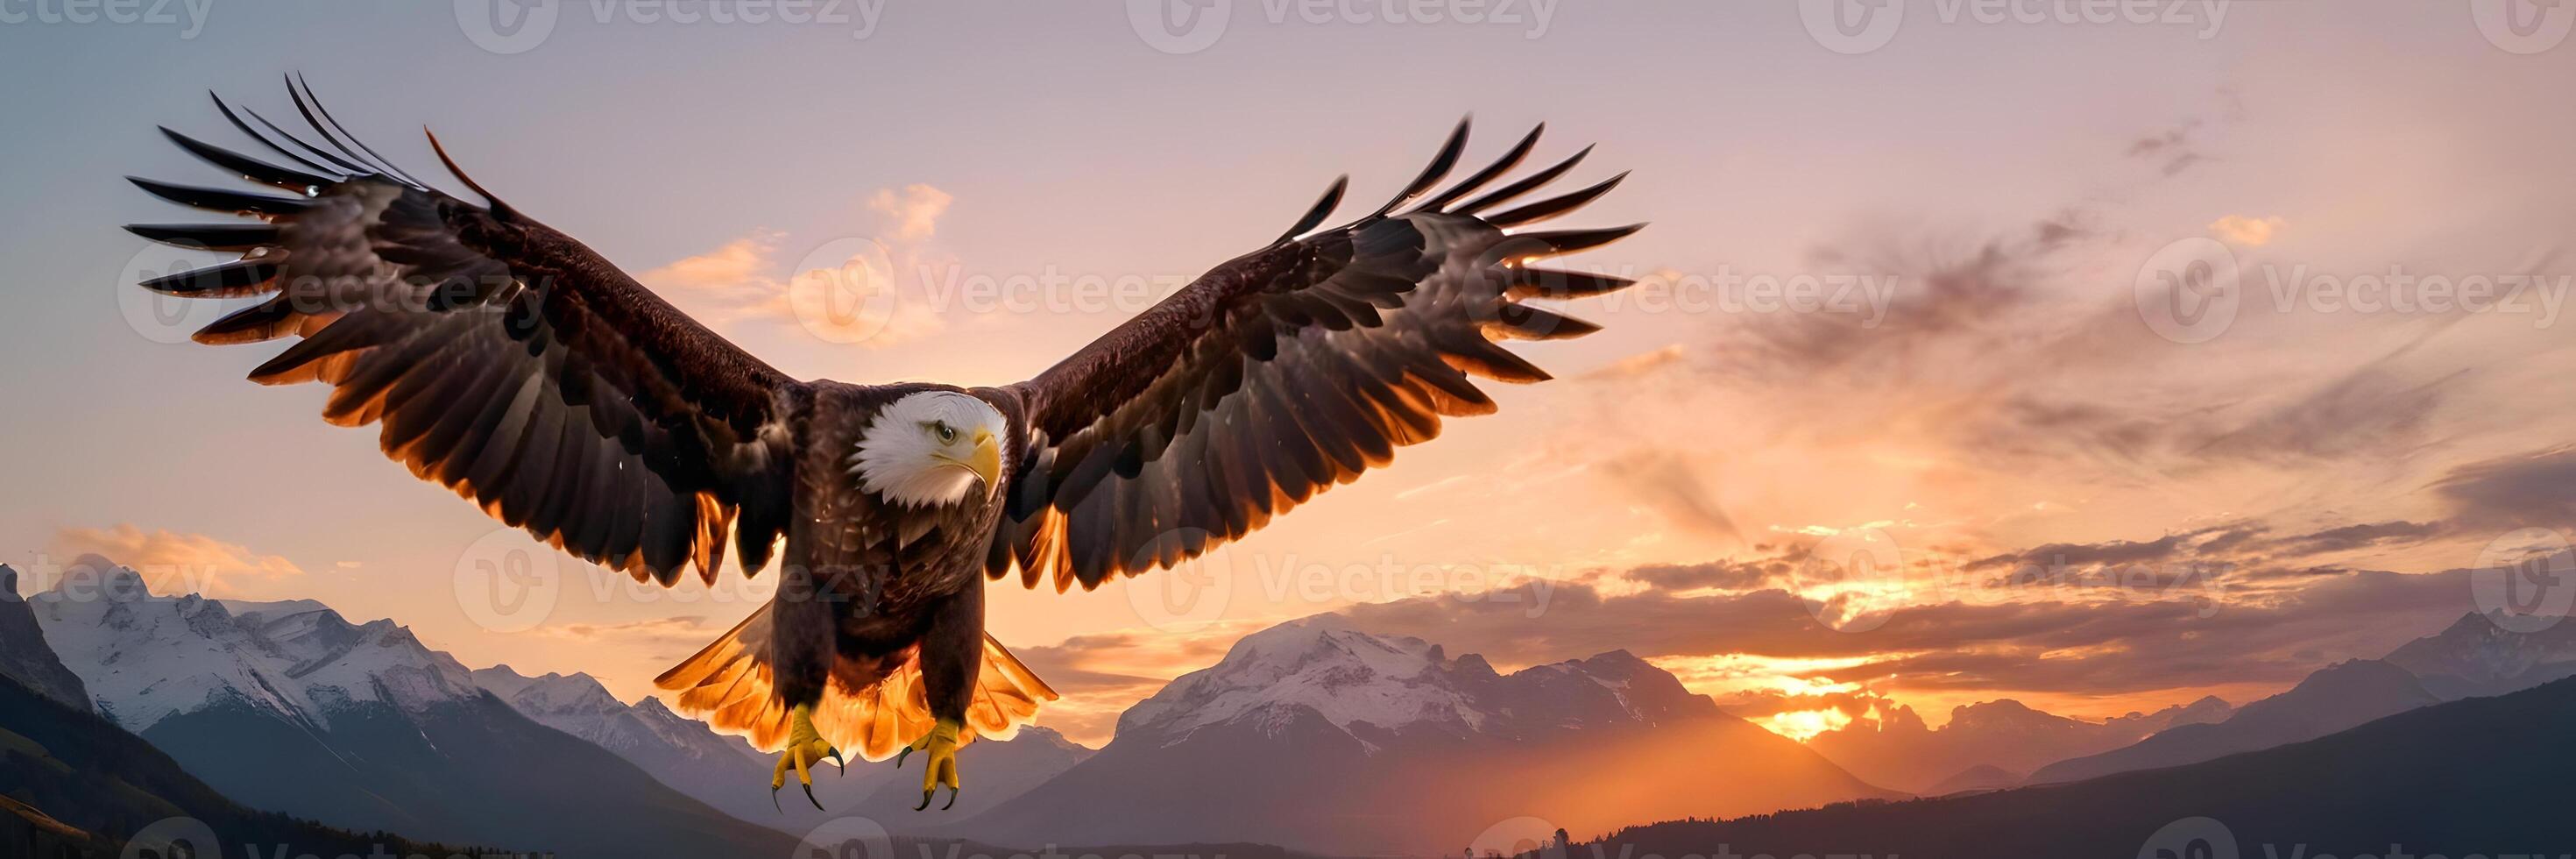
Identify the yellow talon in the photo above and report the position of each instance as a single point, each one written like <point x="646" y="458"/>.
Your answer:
<point x="804" y="749"/>
<point x="939" y="765"/>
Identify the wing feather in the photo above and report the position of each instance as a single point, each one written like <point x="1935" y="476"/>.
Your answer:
<point x="498" y="357"/>
<point x="1285" y="372"/>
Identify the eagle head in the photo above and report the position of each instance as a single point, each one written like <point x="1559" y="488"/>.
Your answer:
<point x="931" y="448"/>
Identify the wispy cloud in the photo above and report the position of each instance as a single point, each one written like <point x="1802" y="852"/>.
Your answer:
<point x="174" y="561"/>
<point x="689" y="625"/>
<point x="859" y="289"/>
<point x="2245" y="230"/>
<point x="914" y="210"/>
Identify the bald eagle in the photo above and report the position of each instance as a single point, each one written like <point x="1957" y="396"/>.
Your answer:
<point x="509" y="363"/>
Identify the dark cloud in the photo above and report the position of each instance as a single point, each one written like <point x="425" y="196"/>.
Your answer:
<point x="1068" y="665"/>
<point x="1666" y="481"/>
<point x="2176" y="149"/>
<point x="2210" y="543"/>
<point x="1730" y="575"/>
<point x="2272" y="573"/>
<point x="2530" y="490"/>
<point x="2350" y="537"/>
<point x="2199" y="559"/>
<point x="1756" y="704"/>
<point x="2074" y="554"/>
<point x="1942" y="297"/>
<point x="2073" y="644"/>
<point x="2379" y="409"/>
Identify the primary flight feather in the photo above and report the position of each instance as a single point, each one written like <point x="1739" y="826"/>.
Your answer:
<point x="506" y="361"/>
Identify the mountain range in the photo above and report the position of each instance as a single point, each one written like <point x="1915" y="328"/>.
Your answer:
<point x="2480" y="655"/>
<point x="1325" y="738"/>
<point x="289" y="707"/>
<point x="2002" y="743"/>
<point x="1305" y="718"/>
<point x="1400" y="746"/>
<point x="75" y="786"/>
<point x="2333" y="699"/>
<point x="1987" y="744"/>
<point x="2475" y="777"/>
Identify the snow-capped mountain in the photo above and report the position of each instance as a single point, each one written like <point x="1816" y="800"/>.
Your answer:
<point x="1405" y="749"/>
<point x="290" y="707"/>
<point x="2479" y="656"/>
<point x="146" y="658"/>
<point x="645" y="732"/>
<point x="1372" y="687"/>
<point x="24" y="655"/>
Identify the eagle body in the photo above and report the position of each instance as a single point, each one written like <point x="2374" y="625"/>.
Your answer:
<point x="887" y="583"/>
<point x="504" y="360"/>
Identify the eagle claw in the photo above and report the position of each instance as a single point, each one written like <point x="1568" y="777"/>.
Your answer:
<point x="939" y="748"/>
<point x="805" y="749"/>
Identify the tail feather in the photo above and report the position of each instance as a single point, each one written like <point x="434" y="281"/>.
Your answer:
<point x="870" y="711"/>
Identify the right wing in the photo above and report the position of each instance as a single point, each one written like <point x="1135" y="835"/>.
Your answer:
<point x="502" y="359"/>
<point x="1287" y="371"/>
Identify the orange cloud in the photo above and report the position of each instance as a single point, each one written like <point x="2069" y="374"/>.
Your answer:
<point x="2248" y="231"/>
<point x="915" y="211"/>
<point x="846" y="290"/>
<point x="1102" y="674"/>
<point x="689" y="629"/>
<point x="175" y="562"/>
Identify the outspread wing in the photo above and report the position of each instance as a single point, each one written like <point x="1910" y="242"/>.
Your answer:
<point x="1286" y="371"/>
<point x="501" y="358"/>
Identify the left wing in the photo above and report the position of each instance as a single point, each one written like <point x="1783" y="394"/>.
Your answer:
<point x="503" y="359"/>
<point x="1286" y="371"/>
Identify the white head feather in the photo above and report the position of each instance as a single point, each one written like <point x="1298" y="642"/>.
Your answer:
<point x="922" y="450"/>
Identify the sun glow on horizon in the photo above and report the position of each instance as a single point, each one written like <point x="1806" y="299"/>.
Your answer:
<point x="1801" y="725"/>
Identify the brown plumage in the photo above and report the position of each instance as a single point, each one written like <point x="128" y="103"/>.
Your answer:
<point x="506" y="361"/>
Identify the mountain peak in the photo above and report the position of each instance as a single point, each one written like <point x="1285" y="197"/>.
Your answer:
<point x="298" y="659"/>
<point x="2358" y="671"/>
<point x="1049" y="737"/>
<point x="94" y="561"/>
<point x="1322" y="669"/>
<point x="26" y="657"/>
<point x="1318" y="720"/>
<point x="550" y="693"/>
<point x="2489" y="654"/>
<point x="94" y="577"/>
<point x="1619" y="658"/>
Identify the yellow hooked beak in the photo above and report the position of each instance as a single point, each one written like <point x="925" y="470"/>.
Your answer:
<point x="986" y="461"/>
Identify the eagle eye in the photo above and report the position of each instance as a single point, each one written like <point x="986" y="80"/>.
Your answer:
<point x="947" y="434"/>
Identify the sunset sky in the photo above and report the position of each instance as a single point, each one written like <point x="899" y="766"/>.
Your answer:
<point x="2079" y="500"/>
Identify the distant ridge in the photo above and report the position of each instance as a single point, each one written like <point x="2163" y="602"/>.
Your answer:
<point x="2332" y="699"/>
<point x="1893" y="747"/>
<point x="2483" y="776"/>
<point x="74" y="785"/>
<point x="380" y="731"/>
<point x="24" y="655"/>
<point x="1327" y="738"/>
